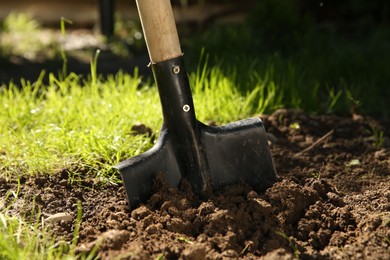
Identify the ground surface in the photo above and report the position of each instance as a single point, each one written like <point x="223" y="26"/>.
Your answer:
<point x="332" y="202"/>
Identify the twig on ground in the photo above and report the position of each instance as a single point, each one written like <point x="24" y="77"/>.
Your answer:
<point x="316" y="143"/>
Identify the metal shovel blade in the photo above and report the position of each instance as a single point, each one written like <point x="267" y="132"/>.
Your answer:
<point x="207" y="157"/>
<point x="236" y="152"/>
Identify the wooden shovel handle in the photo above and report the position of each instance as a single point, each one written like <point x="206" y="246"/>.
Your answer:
<point x="159" y="28"/>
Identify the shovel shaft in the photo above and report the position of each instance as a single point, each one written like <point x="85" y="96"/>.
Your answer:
<point x="179" y="118"/>
<point x="162" y="40"/>
<point x="159" y="29"/>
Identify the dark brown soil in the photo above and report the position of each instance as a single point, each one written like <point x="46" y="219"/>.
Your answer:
<point x="332" y="202"/>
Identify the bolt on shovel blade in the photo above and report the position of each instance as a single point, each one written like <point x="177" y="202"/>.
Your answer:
<point x="236" y="152"/>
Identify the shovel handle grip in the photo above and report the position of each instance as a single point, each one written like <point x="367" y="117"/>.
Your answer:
<point x="159" y="29"/>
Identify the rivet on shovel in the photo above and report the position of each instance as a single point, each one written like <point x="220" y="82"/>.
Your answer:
<point x="176" y="69"/>
<point x="186" y="108"/>
<point x="208" y="157"/>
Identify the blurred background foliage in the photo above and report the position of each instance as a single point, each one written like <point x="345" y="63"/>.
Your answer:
<point x="340" y="48"/>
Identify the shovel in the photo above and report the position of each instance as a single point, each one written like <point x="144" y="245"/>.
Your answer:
<point x="208" y="157"/>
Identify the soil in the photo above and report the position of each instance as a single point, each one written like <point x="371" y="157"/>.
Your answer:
<point x="332" y="201"/>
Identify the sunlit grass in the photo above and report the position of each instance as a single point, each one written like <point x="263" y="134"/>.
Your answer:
<point x="85" y="125"/>
<point x="29" y="236"/>
<point x="71" y="123"/>
<point x="21" y="239"/>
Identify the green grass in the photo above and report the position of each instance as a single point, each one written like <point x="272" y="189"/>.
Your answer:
<point x="317" y="69"/>
<point x="29" y="237"/>
<point x="24" y="239"/>
<point x="73" y="124"/>
<point x="85" y="126"/>
<point x="354" y="81"/>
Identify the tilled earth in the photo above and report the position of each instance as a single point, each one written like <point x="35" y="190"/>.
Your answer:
<point x="332" y="201"/>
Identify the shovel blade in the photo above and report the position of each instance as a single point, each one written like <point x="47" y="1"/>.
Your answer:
<point x="239" y="152"/>
<point x="236" y="152"/>
<point x="139" y="172"/>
